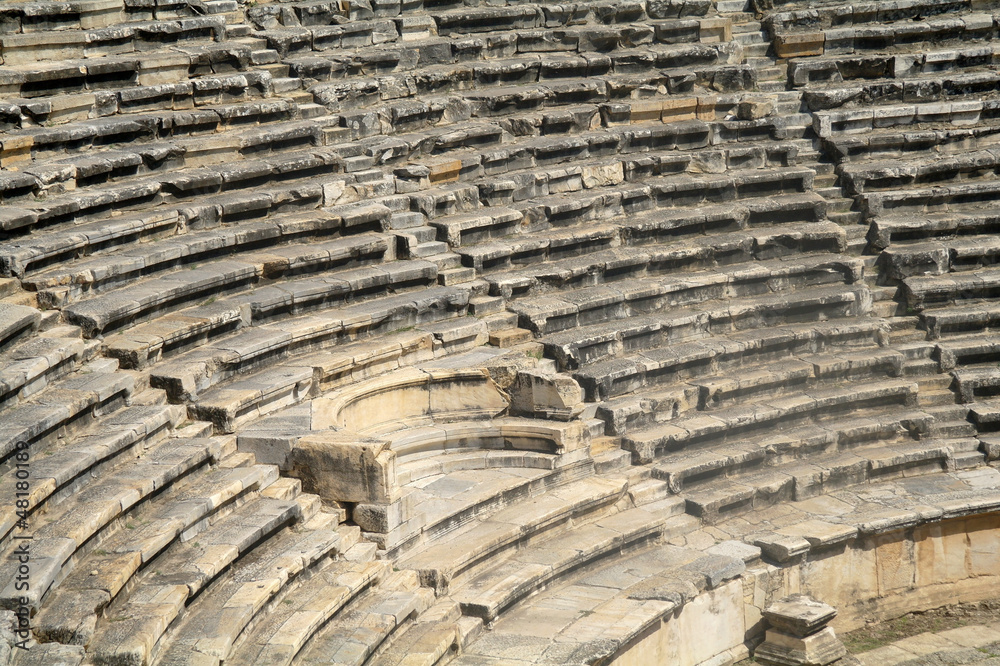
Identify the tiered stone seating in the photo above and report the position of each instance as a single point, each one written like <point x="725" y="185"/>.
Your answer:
<point x="237" y="601"/>
<point x="630" y="597"/>
<point x="341" y="332"/>
<point x="62" y="470"/>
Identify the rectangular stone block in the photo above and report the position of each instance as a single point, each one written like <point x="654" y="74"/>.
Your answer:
<point x="99" y="13"/>
<point x="799" y="45"/>
<point x="706" y="108"/>
<point x="69" y="108"/>
<point x="676" y="110"/>
<point x="646" y="110"/>
<point x="159" y="68"/>
<point x="345" y="468"/>
<point x="716" y="30"/>
<point x="40" y="47"/>
<point x="445" y="172"/>
<point x="15" y="150"/>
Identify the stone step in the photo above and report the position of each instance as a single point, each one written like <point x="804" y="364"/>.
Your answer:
<point x="372" y="622"/>
<point x="696" y="381"/>
<point x="688" y="431"/>
<point x="612" y="461"/>
<point x="545" y="315"/>
<point x="488" y="595"/>
<point x="729" y="6"/>
<point x="232" y="404"/>
<point x="726" y="499"/>
<point x="749" y="37"/>
<point x="135" y="626"/>
<point x="192" y="372"/>
<point x="428" y="249"/>
<point x="595" y="265"/>
<point x="869" y="176"/>
<point x="970" y="349"/>
<point x="66" y="407"/>
<point x="63" y="471"/>
<point x="168" y="335"/>
<point x="822" y="97"/>
<point x="31" y="366"/>
<point x="534" y="90"/>
<point x="425" y="642"/>
<point x="772" y="86"/>
<point x="850" y="451"/>
<point x="648" y="491"/>
<point x="172" y="126"/>
<point x="98" y="506"/>
<point x="953" y="288"/>
<point x="19" y="321"/>
<point x="278" y="249"/>
<point x="885" y="144"/>
<point x="200" y="500"/>
<point x="758" y="50"/>
<point x="467" y="550"/>
<point x="261" y="584"/>
<point x="975" y="317"/>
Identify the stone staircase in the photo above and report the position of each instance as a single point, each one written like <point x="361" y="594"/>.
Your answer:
<point x="427" y="332"/>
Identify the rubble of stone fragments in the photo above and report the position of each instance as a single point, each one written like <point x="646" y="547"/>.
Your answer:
<point x="493" y="332"/>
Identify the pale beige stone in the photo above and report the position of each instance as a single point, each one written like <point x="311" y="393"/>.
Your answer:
<point x="715" y="30"/>
<point x="824" y="578"/>
<point x="941" y="552"/>
<point x="675" y="110"/>
<point x="888" y="655"/>
<point x="971" y="636"/>
<point x="896" y="566"/>
<point x="342" y="467"/>
<point x="927" y="643"/>
<point x="603" y="175"/>
<point x="818" y="649"/>
<point x="984" y="546"/>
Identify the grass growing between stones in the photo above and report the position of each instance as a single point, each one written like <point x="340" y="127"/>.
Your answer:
<point x="879" y="634"/>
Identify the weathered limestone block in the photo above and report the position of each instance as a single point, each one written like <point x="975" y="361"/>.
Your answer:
<point x="410" y="394"/>
<point x="917" y="259"/>
<point x="798" y="635"/>
<point x="676" y="110"/>
<point x="384" y="518"/>
<point x="716" y="30"/>
<point x="556" y="396"/>
<point x="343" y="467"/>
<point x="664" y="9"/>
<point x="817" y="649"/>
<point x="754" y="109"/>
<point x="799" y="44"/>
<point x="15" y="150"/>
<point x="272" y="439"/>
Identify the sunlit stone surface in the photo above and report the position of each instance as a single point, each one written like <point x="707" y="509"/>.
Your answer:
<point x="407" y="333"/>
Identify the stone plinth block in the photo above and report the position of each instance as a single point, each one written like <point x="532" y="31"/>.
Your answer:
<point x="798" y="635"/>
<point x="343" y="467"/>
<point x="783" y="649"/>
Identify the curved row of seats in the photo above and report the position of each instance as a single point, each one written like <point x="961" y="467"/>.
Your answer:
<point x="214" y="213"/>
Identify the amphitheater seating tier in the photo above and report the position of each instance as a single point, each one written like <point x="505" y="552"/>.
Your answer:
<point x="403" y="332"/>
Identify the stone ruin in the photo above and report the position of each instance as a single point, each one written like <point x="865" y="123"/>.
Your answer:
<point x="492" y="332"/>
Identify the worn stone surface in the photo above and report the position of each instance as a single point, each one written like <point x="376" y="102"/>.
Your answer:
<point x="394" y="332"/>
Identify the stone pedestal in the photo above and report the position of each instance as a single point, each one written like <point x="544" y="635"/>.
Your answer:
<point x="798" y="635"/>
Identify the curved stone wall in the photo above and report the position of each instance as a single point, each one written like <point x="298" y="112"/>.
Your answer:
<point x="874" y="577"/>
